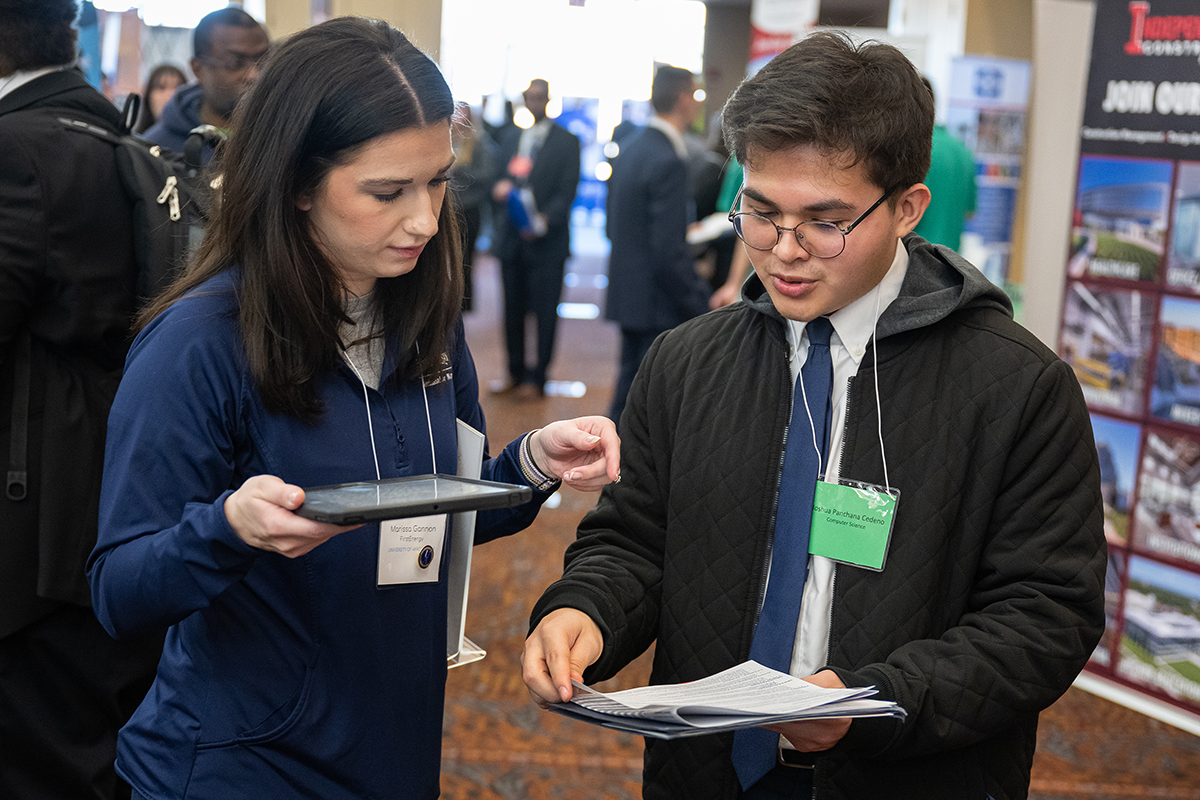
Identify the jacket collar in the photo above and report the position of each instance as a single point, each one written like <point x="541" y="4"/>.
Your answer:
<point x="14" y="81"/>
<point x="41" y="88"/>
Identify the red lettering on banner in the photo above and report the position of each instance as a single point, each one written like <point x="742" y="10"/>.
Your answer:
<point x="1138" y="10"/>
<point x="767" y="43"/>
<point x="1145" y="28"/>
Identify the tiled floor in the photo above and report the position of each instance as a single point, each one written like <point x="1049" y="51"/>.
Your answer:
<point x="498" y="746"/>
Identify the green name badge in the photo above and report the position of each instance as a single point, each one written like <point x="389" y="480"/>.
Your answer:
<point x="852" y="523"/>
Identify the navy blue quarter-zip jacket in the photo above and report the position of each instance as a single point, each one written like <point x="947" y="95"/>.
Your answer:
<point x="280" y="678"/>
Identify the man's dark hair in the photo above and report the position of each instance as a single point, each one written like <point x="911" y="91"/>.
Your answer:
<point x="36" y="33"/>
<point x="327" y="91"/>
<point x="865" y="101"/>
<point x="669" y="83"/>
<point x="203" y="35"/>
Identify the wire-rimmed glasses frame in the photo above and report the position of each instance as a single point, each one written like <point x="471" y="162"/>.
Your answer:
<point x="813" y="225"/>
<point x="235" y="63"/>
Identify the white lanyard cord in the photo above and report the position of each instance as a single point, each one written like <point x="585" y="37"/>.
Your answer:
<point x="812" y="425"/>
<point x="878" y="405"/>
<point x="367" y="401"/>
<point x="371" y="426"/>
<point x="887" y="484"/>
<point x="428" y="418"/>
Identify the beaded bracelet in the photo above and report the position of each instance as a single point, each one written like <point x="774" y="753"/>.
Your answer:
<point x="538" y="479"/>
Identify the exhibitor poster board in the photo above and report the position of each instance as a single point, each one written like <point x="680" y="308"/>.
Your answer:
<point x="1131" y="332"/>
<point x="986" y="111"/>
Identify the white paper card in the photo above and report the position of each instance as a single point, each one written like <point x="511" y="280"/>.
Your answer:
<point x="410" y="549"/>
<point x="470" y="465"/>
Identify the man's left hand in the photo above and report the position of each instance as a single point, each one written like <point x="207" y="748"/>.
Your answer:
<point x="585" y="452"/>
<point x="813" y="736"/>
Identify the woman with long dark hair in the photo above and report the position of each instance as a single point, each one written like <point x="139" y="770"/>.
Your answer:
<point x="316" y="339"/>
<point x="160" y="85"/>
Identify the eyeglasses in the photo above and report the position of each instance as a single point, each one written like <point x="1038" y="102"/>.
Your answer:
<point x="817" y="238"/>
<point x="236" y="62"/>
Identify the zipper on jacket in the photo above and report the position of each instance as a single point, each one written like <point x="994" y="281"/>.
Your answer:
<point x="762" y="591"/>
<point x="842" y="450"/>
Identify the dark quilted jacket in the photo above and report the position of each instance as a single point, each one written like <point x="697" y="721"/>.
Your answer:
<point x="991" y="599"/>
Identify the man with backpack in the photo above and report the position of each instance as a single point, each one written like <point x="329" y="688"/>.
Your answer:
<point x="227" y="47"/>
<point x="68" y="277"/>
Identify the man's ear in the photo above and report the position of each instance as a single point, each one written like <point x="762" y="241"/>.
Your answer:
<point x="196" y="65"/>
<point x="910" y="207"/>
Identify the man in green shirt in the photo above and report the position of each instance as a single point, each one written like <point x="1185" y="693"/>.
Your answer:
<point x="951" y="182"/>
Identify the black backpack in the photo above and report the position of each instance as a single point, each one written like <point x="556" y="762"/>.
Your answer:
<point x="171" y="195"/>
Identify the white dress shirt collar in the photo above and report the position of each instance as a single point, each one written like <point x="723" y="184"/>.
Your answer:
<point x="10" y="83"/>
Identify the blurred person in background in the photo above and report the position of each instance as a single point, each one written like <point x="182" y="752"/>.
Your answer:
<point x="67" y="297"/>
<point x="474" y="172"/>
<point x="952" y="190"/>
<point x="652" y="280"/>
<point x="543" y="159"/>
<point x="160" y="87"/>
<point x="739" y="267"/>
<point x="227" y="48"/>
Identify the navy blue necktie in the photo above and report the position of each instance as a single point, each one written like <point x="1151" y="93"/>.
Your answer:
<point x="754" y="749"/>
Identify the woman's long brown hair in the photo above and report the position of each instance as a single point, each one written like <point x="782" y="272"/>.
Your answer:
<point x="326" y="92"/>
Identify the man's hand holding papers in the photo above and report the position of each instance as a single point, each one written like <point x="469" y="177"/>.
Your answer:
<point x="815" y="735"/>
<point x="745" y="696"/>
<point x="562" y="646"/>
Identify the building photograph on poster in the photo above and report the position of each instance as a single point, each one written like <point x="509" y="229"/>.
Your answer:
<point x="1183" y="256"/>
<point x="1175" y="394"/>
<point x="1130" y="329"/>
<point x="1167" y="515"/>
<point x="1109" y="642"/>
<point x="1105" y="338"/>
<point x="1117" y="447"/>
<point x="1160" y="644"/>
<point x="1120" y="218"/>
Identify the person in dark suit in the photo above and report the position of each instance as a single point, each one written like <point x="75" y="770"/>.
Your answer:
<point x="67" y="297"/>
<point x="544" y="159"/>
<point x="652" y="280"/>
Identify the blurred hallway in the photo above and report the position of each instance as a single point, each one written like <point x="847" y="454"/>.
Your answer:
<point x="497" y="745"/>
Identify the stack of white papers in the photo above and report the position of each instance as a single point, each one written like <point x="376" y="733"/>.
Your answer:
<point x="746" y="696"/>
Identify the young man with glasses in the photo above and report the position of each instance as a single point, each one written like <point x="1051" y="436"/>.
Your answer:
<point x="227" y="47"/>
<point x="859" y="353"/>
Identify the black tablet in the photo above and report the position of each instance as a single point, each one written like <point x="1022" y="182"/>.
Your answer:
<point x="394" y="498"/>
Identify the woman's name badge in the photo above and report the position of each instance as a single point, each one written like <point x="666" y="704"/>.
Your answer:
<point x="852" y="523"/>
<point x="410" y="550"/>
